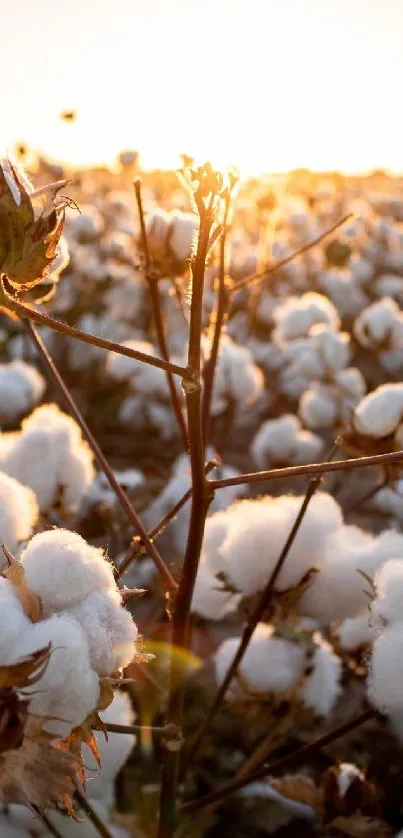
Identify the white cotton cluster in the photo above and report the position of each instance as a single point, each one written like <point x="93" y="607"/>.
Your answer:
<point x="322" y="686"/>
<point x="90" y="633"/>
<point x="238" y="380"/>
<point x="339" y="591"/>
<point x="245" y="541"/>
<point x="21" y="388"/>
<point x="273" y="665"/>
<point x="270" y="664"/>
<point x="385" y="681"/>
<point x="326" y="405"/>
<point x="86" y="226"/>
<point x="389" y="500"/>
<point x="380" y="328"/>
<point x="355" y="632"/>
<point x="380" y="413"/>
<point x="49" y="456"/>
<point x="343" y="286"/>
<point x="18" y="513"/>
<point x="176" y="487"/>
<point x="295" y="317"/>
<point x="280" y="441"/>
<point x="171" y="233"/>
<point x="387" y="608"/>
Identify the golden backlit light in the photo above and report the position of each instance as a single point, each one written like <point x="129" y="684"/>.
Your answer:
<point x="267" y="85"/>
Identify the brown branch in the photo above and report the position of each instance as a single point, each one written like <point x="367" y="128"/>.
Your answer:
<point x="161" y="730"/>
<point x="255" y="618"/>
<point x="35" y="316"/>
<point x="202" y="495"/>
<point x="221" y="312"/>
<point x="96" y="821"/>
<point x="289" y="761"/>
<point x="124" y="500"/>
<point x="152" y="281"/>
<point x="249" y="280"/>
<point x="314" y="468"/>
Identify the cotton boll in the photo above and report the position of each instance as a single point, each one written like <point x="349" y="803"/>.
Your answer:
<point x="309" y="448"/>
<point x="318" y="407"/>
<point x="62" y="569"/>
<point x="158" y="228"/>
<point x="388" y="606"/>
<point x="113" y="752"/>
<point x="270" y="664"/>
<point x="21" y="387"/>
<point x="18" y="513"/>
<point x="389" y="500"/>
<point x="380" y="412"/>
<point x="68" y="690"/>
<point x="275" y="440"/>
<point x="338" y="590"/>
<point x="351" y="385"/>
<point x="13" y="619"/>
<point x="333" y="346"/>
<point x="323" y="686"/>
<point x="237" y="377"/>
<point x="390" y="285"/>
<point x="385" y="683"/>
<point x="210" y="600"/>
<point x="343" y="290"/>
<point x="362" y="270"/>
<point x="298" y="314"/>
<point x="354" y="632"/>
<point x="258" y="531"/>
<point x="144" y="379"/>
<point x="183" y="230"/>
<point x="49" y="436"/>
<point x="375" y="325"/>
<point x="110" y="631"/>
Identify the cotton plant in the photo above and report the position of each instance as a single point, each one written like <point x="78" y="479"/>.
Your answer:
<point x="171" y="235"/>
<point x="49" y="456"/>
<point x="60" y="605"/>
<point x="297" y="315"/>
<point x="380" y="328"/>
<point x="284" y="441"/>
<point x="379" y="415"/>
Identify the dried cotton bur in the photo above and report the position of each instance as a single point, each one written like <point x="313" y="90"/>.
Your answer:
<point x="66" y="636"/>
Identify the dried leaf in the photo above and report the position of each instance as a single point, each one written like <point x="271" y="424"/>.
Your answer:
<point x="302" y="789"/>
<point x="13" y="719"/>
<point x="38" y="774"/>
<point x="27" y="671"/>
<point x="15" y="574"/>
<point x="359" y="826"/>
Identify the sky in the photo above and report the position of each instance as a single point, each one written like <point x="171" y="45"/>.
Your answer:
<point x="270" y="85"/>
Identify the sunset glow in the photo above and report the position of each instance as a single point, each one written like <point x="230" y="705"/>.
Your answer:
<point x="268" y="85"/>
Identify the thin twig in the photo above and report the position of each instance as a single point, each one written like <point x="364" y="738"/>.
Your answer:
<point x="253" y="620"/>
<point x="249" y="280"/>
<point x="160" y="730"/>
<point x="157" y="315"/>
<point x="49" y="825"/>
<point x="85" y="805"/>
<point x="314" y="468"/>
<point x="101" y="459"/>
<point x="35" y="316"/>
<point x="220" y="314"/>
<point x="289" y="761"/>
<point x="201" y="498"/>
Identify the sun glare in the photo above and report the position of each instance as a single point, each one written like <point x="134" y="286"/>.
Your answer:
<point x="264" y="86"/>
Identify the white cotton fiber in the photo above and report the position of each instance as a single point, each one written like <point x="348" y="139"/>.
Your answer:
<point x="49" y="436"/>
<point x="297" y="315"/>
<point x="339" y="591"/>
<point x="18" y="513"/>
<point x="388" y="606"/>
<point x="63" y="569"/>
<point x="270" y="664"/>
<point x="13" y="619"/>
<point x="113" y="752"/>
<point x="237" y="378"/>
<point x="380" y="412"/>
<point x="257" y="534"/>
<point x="385" y="683"/>
<point x="109" y="628"/>
<point x="332" y="346"/>
<point x="21" y="387"/>
<point x="68" y="690"/>
<point x="275" y="440"/>
<point x="354" y="632"/>
<point x="183" y="230"/>
<point x="323" y="686"/>
<point x="318" y="406"/>
<point x="210" y="600"/>
<point x="378" y="323"/>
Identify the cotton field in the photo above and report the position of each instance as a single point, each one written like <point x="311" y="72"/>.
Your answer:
<point x="201" y="484"/>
